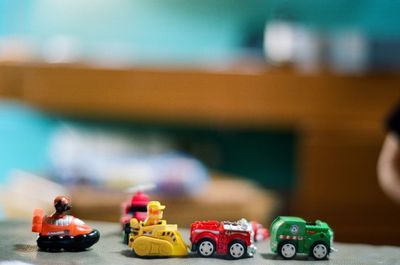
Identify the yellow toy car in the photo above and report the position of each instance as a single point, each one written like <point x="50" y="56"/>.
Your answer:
<point x="154" y="237"/>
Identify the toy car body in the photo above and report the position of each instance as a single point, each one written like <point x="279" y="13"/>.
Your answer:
<point x="223" y="238"/>
<point x="292" y="235"/>
<point x="68" y="233"/>
<point x="163" y="240"/>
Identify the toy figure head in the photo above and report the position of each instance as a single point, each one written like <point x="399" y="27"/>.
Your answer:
<point x="62" y="204"/>
<point x="155" y="210"/>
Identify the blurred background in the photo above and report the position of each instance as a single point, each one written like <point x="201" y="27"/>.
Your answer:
<point x="230" y="108"/>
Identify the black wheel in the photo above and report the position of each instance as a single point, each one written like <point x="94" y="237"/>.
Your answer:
<point x="206" y="247"/>
<point x="126" y="231"/>
<point x="237" y="249"/>
<point x="49" y="243"/>
<point x="287" y="250"/>
<point x="320" y="250"/>
<point x="68" y="243"/>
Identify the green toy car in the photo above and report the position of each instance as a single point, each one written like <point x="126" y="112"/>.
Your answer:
<point x="292" y="235"/>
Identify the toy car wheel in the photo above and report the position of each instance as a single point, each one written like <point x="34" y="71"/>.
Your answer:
<point x="206" y="247"/>
<point x="319" y="251"/>
<point x="126" y="231"/>
<point x="287" y="250"/>
<point x="237" y="249"/>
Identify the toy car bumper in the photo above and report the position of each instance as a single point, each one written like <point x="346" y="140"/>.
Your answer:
<point x="251" y="250"/>
<point x="56" y="243"/>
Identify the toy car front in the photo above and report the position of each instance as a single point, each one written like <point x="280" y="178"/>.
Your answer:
<point x="251" y="250"/>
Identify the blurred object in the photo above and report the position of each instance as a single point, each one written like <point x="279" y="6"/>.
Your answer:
<point x="260" y="232"/>
<point x="141" y="188"/>
<point x="61" y="49"/>
<point x="349" y="52"/>
<point x="112" y="54"/>
<point x="24" y="187"/>
<point x="389" y="158"/>
<point x="16" y="49"/>
<point x="223" y="198"/>
<point x="136" y="208"/>
<point x="290" y="43"/>
<point x="308" y="50"/>
<point x="280" y="41"/>
<point x="389" y="166"/>
<point x="121" y="160"/>
<point x="385" y="55"/>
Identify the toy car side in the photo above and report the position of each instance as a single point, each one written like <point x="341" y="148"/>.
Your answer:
<point x="293" y="235"/>
<point x="204" y="237"/>
<point x="210" y="237"/>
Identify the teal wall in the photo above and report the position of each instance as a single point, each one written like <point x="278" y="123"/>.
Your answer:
<point x="24" y="138"/>
<point x="185" y="29"/>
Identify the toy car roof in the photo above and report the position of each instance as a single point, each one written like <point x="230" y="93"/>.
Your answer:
<point x="236" y="226"/>
<point x="290" y="219"/>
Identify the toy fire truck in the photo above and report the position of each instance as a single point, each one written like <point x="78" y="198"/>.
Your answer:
<point x="234" y="239"/>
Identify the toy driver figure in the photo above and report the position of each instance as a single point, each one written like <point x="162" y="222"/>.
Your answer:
<point x="154" y="213"/>
<point x="62" y="204"/>
<point x="154" y="216"/>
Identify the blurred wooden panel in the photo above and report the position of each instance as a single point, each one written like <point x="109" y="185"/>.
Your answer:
<point x="338" y="182"/>
<point x="233" y="99"/>
<point x="11" y="77"/>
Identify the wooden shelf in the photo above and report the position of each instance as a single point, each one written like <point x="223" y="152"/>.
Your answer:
<point x="222" y="98"/>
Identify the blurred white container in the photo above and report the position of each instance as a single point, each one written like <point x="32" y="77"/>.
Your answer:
<point x="348" y="52"/>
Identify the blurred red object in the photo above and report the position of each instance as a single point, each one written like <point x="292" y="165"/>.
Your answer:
<point x="260" y="233"/>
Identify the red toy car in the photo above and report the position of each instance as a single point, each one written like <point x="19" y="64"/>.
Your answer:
<point x="136" y="208"/>
<point x="260" y="233"/>
<point x="234" y="239"/>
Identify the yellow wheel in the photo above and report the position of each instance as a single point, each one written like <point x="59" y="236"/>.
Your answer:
<point x="141" y="246"/>
<point x="148" y="246"/>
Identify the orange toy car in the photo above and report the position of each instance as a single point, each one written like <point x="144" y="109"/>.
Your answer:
<point x="61" y="231"/>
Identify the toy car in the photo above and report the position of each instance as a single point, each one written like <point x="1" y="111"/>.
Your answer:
<point x="60" y="231"/>
<point x="292" y="235"/>
<point x="222" y="238"/>
<point x="260" y="233"/>
<point x="135" y="208"/>
<point x="154" y="237"/>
